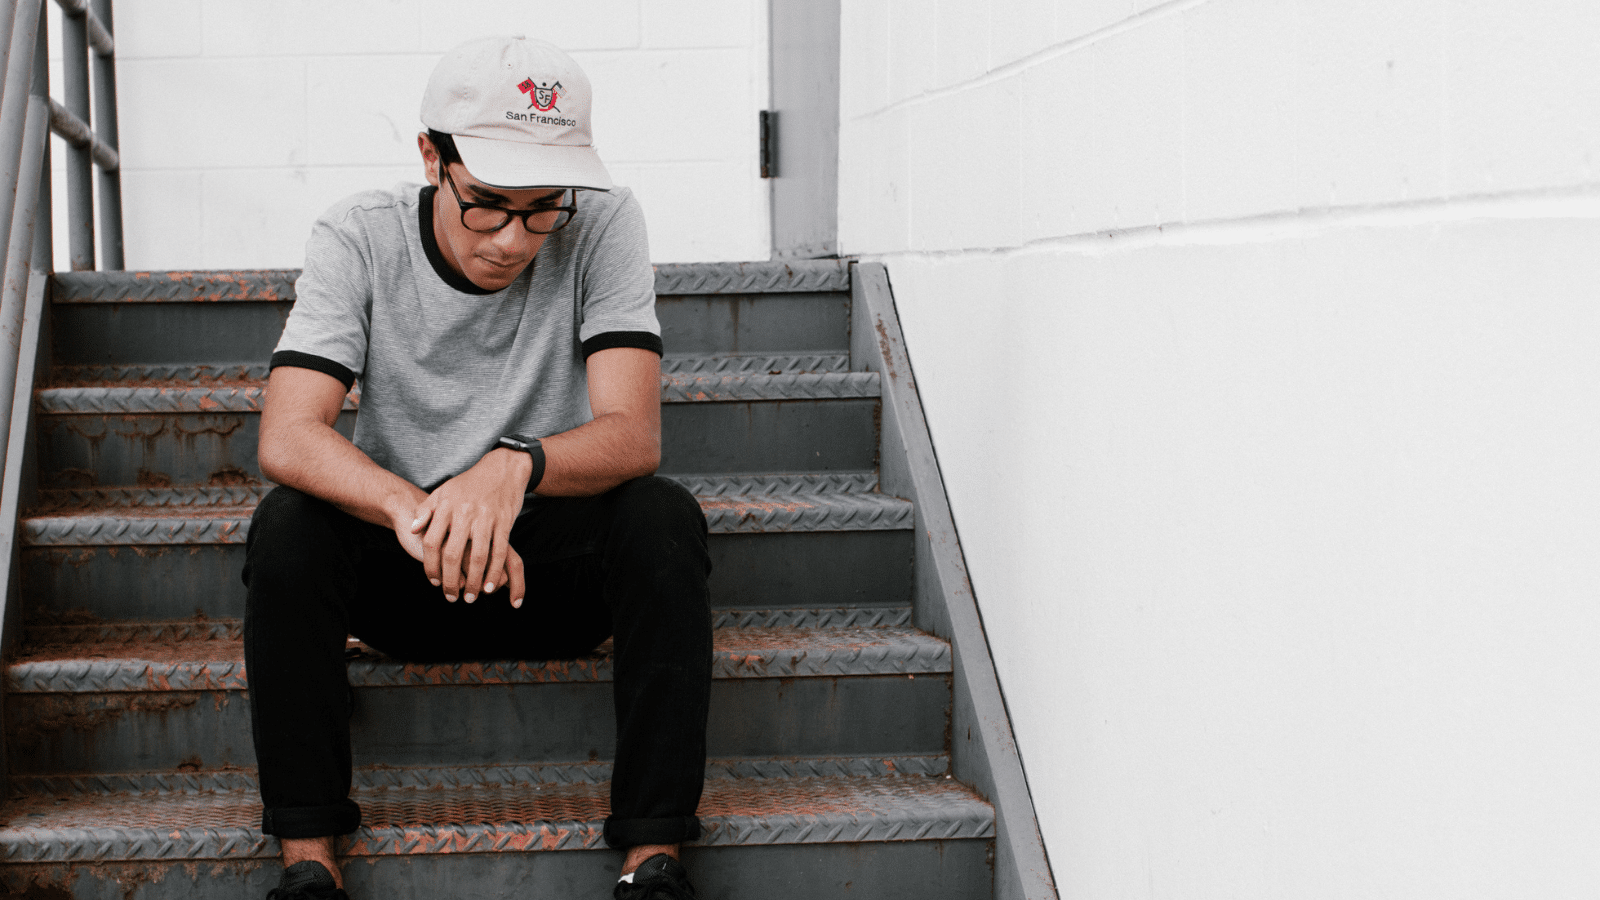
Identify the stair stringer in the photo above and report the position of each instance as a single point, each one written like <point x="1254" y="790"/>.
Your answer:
<point x="18" y="482"/>
<point x="983" y="750"/>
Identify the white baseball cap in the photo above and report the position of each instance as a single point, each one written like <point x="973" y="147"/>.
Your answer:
<point x="519" y="111"/>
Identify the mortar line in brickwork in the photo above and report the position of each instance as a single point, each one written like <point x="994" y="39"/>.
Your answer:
<point x="1039" y="57"/>
<point x="1576" y="202"/>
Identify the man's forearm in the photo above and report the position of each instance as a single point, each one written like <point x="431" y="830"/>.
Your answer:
<point x="313" y="458"/>
<point x="599" y="455"/>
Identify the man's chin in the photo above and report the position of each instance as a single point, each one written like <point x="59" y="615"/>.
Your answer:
<point x="493" y="278"/>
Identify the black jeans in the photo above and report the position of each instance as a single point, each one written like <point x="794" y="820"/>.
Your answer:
<point x="630" y="563"/>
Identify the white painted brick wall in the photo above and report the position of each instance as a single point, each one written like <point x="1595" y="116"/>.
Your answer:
<point x="1528" y="125"/>
<point x="1103" y="136"/>
<point x="260" y="115"/>
<point x="1194" y="111"/>
<point x="1259" y="344"/>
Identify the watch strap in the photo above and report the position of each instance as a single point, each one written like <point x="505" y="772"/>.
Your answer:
<point x="535" y="451"/>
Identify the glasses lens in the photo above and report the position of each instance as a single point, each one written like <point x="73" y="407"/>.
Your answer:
<point x="547" y="222"/>
<point x="479" y="218"/>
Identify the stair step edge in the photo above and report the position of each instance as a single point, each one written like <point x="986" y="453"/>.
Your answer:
<point x="733" y="812"/>
<point x="232" y="629"/>
<point x="187" y="525"/>
<point x="218" y="665"/>
<point x="151" y="375"/>
<point x="246" y="397"/>
<point x="277" y="285"/>
<point x="66" y="500"/>
<point x="429" y="777"/>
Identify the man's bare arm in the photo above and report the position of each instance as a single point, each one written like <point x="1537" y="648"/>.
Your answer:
<point x="300" y="448"/>
<point x="624" y="439"/>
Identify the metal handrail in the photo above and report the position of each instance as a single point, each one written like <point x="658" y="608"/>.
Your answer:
<point x="28" y="115"/>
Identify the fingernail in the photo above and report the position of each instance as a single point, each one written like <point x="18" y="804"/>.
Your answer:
<point x="471" y="597"/>
<point x="517" y="603"/>
<point x="450" y="597"/>
<point x="488" y="588"/>
<point x="435" y="582"/>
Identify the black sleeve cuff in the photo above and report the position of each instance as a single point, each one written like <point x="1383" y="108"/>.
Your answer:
<point x="321" y="364"/>
<point x="644" y="340"/>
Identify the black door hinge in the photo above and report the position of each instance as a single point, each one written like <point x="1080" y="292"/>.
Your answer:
<point x="769" y="143"/>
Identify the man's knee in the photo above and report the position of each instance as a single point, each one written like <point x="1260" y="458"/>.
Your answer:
<point x="287" y="526"/>
<point x="658" y="524"/>
<point x="661" y="507"/>
<point x="285" y="507"/>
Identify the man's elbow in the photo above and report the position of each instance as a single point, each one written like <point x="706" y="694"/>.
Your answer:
<point x="270" y="459"/>
<point x="275" y="455"/>
<point x="648" y="457"/>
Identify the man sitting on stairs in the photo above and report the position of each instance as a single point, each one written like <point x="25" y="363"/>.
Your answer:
<point x="497" y="501"/>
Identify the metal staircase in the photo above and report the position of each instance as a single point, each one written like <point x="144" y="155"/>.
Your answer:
<point x="844" y="757"/>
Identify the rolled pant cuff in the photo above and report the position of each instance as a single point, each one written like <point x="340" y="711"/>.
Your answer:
<point x="312" y="821"/>
<point x="623" y="833"/>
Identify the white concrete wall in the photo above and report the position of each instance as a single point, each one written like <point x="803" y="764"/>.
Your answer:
<point x="241" y="120"/>
<point x="1260" y="342"/>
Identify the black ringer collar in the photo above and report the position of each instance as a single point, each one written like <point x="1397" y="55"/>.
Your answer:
<point x="430" y="246"/>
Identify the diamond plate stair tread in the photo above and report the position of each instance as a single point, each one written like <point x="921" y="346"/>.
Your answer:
<point x="269" y="285"/>
<point x="222" y="515"/>
<point x="709" y="388"/>
<point x="218" y="664"/>
<point x="243" y="495"/>
<point x="146" y="399"/>
<point x="167" y="375"/>
<point x="246" y="396"/>
<point x="233" y="629"/>
<point x="492" y="818"/>
<point x="752" y="364"/>
<point x="25" y="787"/>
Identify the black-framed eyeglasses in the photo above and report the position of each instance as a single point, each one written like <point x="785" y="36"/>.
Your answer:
<point x="486" y="219"/>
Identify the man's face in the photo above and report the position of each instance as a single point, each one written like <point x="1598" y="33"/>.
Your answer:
<point x="490" y="261"/>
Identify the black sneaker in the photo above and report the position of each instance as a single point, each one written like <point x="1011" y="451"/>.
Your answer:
<point x="658" y="878"/>
<point x="309" y="880"/>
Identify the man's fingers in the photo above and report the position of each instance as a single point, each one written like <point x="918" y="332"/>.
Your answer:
<point x="450" y="559"/>
<point x="477" y="560"/>
<point x="433" y="548"/>
<point x="496" y="576"/>
<point x="514" y="577"/>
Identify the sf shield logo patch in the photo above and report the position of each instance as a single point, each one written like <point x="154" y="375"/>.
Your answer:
<point x="542" y="97"/>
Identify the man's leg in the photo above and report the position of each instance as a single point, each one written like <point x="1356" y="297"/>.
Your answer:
<point x="641" y="551"/>
<point x="301" y="573"/>
<point x="656" y="564"/>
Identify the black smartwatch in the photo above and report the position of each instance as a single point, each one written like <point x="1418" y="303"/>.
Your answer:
<point x="535" y="451"/>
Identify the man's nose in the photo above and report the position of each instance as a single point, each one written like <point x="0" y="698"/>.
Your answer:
<point x="515" y="240"/>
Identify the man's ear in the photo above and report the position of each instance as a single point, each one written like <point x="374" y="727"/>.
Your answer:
<point x="430" y="158"/>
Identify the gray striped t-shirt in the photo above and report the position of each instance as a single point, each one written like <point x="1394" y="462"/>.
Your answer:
<point x="446" y="368"/>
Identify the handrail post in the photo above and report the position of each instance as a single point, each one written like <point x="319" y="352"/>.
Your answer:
<point x="20" y="251"/>
<point x="105" y="123"/>
<point x="44" y="259"/>
<point x="80" y="184"/>
<point x="14" y="105"/>
<point x="7" y="12"/>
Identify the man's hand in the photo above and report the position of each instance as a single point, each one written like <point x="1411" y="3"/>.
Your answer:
<point x="463" y="528"/>
<point x="410" y="541"/>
